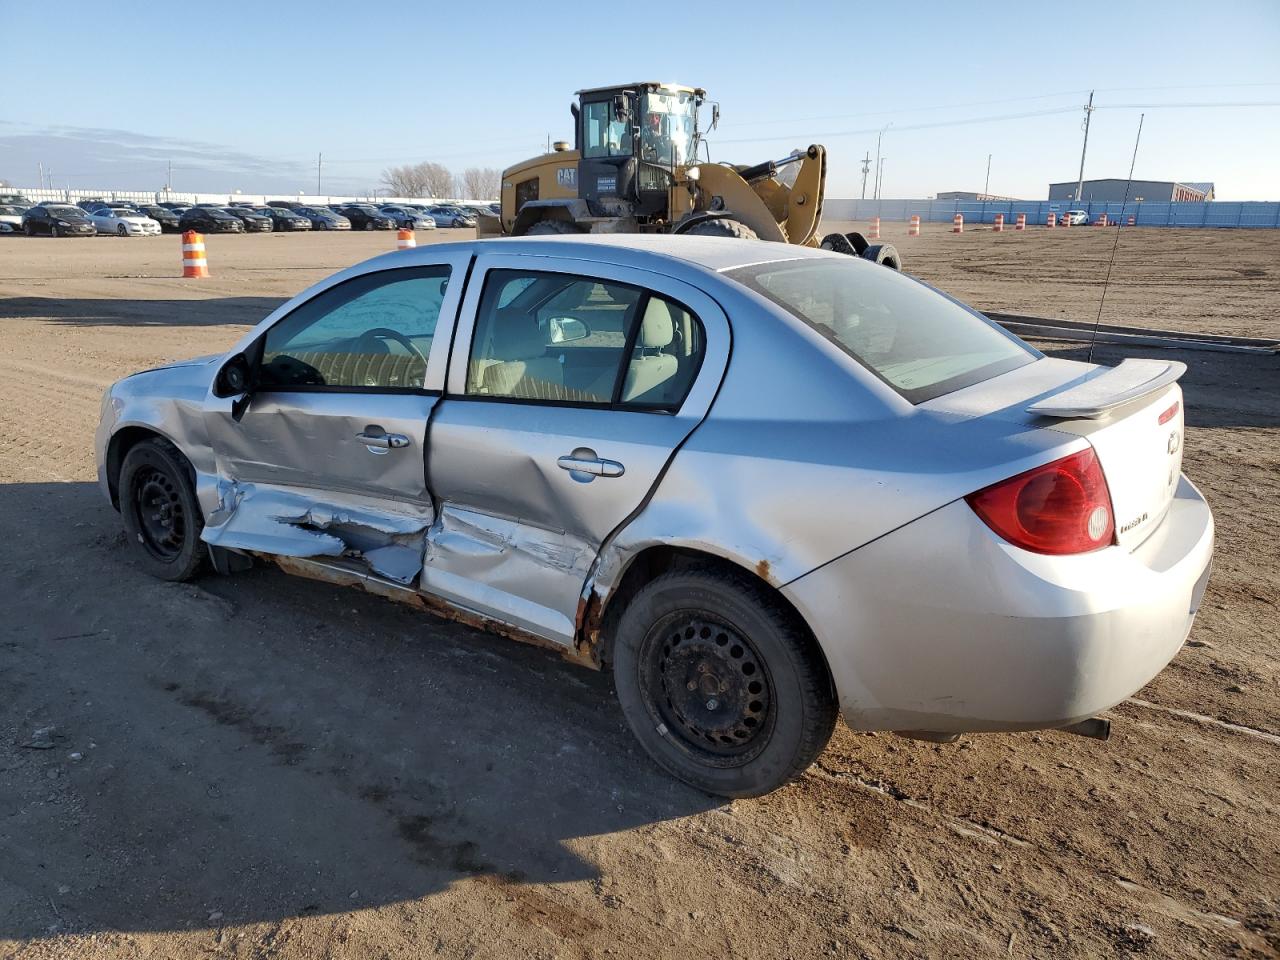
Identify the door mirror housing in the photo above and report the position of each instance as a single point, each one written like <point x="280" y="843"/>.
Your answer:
<point x="235" y="378"/>
<point x="568" y="329"/>
<point x="621" y="108"/>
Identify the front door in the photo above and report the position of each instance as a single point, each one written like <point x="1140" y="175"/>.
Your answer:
<point x="571" y="385"/>
<point x="329" y="456"/>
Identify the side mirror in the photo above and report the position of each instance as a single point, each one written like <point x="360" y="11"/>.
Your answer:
<point x="621" y="108"/>
<point x="235" y="378"/>
<point x="568" y="329"/>
<point x="715" y="116"/>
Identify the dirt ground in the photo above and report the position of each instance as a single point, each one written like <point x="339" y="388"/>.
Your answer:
<point x="260" y="766"/>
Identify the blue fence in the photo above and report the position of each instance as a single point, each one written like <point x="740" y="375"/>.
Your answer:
<point x="1215" y="213"/>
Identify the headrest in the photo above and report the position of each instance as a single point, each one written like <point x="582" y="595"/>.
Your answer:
<point x="657" y="327"/>
<point x="516" y="337"/>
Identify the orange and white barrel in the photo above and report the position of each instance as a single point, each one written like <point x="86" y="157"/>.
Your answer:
<point x="999" y="227"/>
<point x="913" y="228"/>
<point x="957" y="223"/>
<point x="874" y="232"/>
<point x="1133" y="221"/>
<point x="405" y="240"/>
<point x="1065" y="221"/>
<point x="194" y="263"/>
<point x="1021" y="222"/>
<point x="1101" y="221"/>
<point x="1051" y="220"/>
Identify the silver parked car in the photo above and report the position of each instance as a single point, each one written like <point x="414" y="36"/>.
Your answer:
<point x="764" y="485"/>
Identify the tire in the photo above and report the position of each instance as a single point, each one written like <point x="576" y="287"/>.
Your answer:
<point x="29" y="230"/>
<point x="368" y="224"/>
<point x="769" y="706"/>
<point x="553" y="228"/>
<point x="885" y="254"/>
<point x="55" y="231"/>
<point x="722" y="227"/>
<point x="122" y="230"/>
<point x="160" y="512"/>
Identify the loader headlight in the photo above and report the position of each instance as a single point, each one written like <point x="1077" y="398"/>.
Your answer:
<point x="693" y="173"/>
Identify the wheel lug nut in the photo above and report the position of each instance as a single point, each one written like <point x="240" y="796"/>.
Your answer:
<point x="692" y="685"/>
<point x="712" y="703"/>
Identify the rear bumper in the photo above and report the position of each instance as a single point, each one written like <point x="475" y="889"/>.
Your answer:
<point x="942" y="626"/>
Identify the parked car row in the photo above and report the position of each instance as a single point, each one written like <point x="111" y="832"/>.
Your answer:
<point x="125" y="219"/>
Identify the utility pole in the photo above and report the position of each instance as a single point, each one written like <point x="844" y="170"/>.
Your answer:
<point x="866" y="168"/>
<point x="880" y="176"/>
<point x="168" y="180"/>
<point x="1088" y="115"/>
<point x="878" y="137"/>
<point x="986" y="187"/>
<point x="40" y="164"/>
<point x="319" y="163"/>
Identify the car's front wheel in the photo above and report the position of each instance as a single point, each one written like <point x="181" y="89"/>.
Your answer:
<point x="720" y="682"/>
<point x="161" y="514"/>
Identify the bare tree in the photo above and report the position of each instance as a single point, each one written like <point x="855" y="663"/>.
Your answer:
<point x="481" y="183"/>
<point x="426" y="179"/>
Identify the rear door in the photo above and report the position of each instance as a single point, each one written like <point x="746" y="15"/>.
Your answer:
<point x="571" y="384"/>
<point x="328" y="458"/>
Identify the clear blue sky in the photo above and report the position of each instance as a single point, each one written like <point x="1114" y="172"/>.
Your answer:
<point x="244" y="95"/>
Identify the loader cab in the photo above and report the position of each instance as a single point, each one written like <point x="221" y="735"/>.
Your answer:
<point x="632" y="140"/>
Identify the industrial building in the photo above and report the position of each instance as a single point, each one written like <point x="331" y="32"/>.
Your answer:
<point x="970" y="195"/>
<point x="1114" y="190"/>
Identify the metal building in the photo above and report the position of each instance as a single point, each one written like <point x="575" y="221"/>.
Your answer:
<point x="1114" y="190"/>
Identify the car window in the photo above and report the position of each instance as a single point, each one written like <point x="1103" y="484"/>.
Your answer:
<point x="373" y="332"/>
<point x="919" y="342"/>
<point x="570" y="339"/>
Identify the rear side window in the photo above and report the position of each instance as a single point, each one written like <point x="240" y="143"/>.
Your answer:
<point x="566" y="339"/>
<point x="917" y="341"/>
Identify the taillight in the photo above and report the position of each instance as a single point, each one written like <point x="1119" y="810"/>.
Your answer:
<point x="1061" y="507"/>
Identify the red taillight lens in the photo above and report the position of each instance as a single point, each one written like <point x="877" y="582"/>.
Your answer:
<point x="1062" y="507"/>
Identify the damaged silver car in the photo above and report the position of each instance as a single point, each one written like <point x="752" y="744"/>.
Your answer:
<point x="764" y="485"/>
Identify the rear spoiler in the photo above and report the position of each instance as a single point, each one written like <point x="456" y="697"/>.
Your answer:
<point x="1098" y="396"/>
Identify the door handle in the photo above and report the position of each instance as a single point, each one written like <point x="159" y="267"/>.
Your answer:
<point x="385" y="441"/>
<point x="583" y="465"/>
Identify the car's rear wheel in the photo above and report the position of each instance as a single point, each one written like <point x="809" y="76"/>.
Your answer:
<point x="161" y="514"/>
<point x="721" y="684"/>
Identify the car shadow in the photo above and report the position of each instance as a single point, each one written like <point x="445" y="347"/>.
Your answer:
<point x="259" y="747"/>
<point x="215" y="311"/>
<point x="1220" y="389"/>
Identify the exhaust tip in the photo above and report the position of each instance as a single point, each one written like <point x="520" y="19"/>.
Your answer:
<point x="1096" y="728"/>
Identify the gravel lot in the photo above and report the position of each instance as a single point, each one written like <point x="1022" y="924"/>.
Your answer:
<point x="261" y="766"/>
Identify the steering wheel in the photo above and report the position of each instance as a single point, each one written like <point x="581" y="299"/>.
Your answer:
<point x="386" y="333"/>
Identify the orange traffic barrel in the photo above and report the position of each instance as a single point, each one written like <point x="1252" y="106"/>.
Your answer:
<point x="405" y="240"/>
<point x="999" y="228"/>
<point x="957" y="223"/>
<point x="874" y="232"/>
<point x="194" y="263"/>
<point x="913" y="229"/>
<point x="1021" y="223"/>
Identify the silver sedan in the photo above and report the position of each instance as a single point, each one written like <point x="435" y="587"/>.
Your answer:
<point x="764" y="485"/>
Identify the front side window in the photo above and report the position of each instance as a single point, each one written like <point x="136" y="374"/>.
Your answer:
<point x="603" y="136"/>
<point x="569" y="339"/>
<point x="373" y="332"/>
<point x="666" y="133"/>
<point x="920" y="343"/>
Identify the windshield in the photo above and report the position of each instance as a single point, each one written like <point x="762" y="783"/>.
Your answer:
<point x="65" y="211"/>
<point x="603" y="136"/>
<point x="666" y="135"/>
<point x="9" y="211"/>
<point x="916" y="340"/>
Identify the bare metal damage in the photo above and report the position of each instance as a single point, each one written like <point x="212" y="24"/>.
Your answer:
<point x="258" y="518"/>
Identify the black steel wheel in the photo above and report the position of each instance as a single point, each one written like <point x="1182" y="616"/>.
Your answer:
<point x="160" y="512"/>
<point x="721" y="683"/>
<point x="708" y="685"/>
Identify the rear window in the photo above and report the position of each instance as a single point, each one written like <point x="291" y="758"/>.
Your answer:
<point x="917" y="341"/>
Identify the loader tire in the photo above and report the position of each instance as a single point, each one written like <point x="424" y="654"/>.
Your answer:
<point x="553" y="228"/>
<point x="722" y="227"/>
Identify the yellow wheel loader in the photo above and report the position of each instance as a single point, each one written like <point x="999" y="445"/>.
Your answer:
<point x="635" y="168"/>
